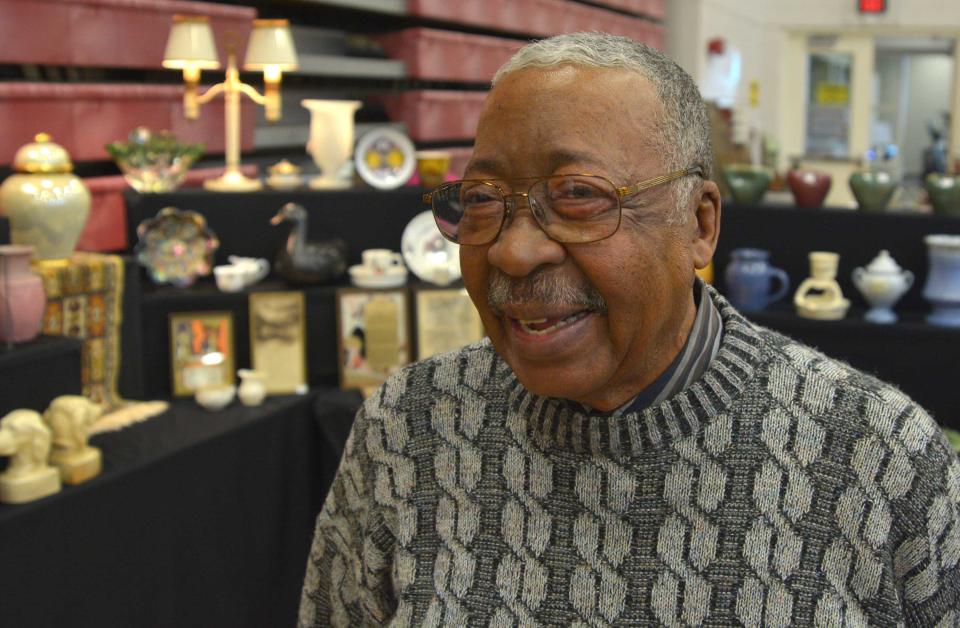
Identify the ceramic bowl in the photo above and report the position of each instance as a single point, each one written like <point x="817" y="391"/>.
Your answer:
<point x="214" y="399"/>
<point x="154" y="162"/>
<point x="747" y="183"/>
<point x="809" y="187"/>
<point x="944" y="193"/>
<point x="873" y="190"/>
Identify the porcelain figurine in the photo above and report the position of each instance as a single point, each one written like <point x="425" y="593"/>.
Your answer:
<point x="22" y="297"/>
<point x="69" y="418"/>
<point x="882" y="283"/>
<point x="253" y="387"/>
<point x="331" y="140"/>
<point x="942" y="289"/>
<point x="819" y="296"/>
<point x="750" y="279"/>
<point x="25" y="438"/>
<point x="301" y="261"/>
<point x="46" y="203"/>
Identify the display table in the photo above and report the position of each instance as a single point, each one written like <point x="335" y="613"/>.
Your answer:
<point x="363" y="217"/>
<point x="199" y="519"/>
<point x="33" y="373"/>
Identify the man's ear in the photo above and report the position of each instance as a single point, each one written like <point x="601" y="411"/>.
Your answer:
<point x="707" y="224"/>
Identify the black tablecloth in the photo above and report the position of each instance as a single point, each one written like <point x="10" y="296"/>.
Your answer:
<point x="199" y="519"/>
<point x="33" y="373"/>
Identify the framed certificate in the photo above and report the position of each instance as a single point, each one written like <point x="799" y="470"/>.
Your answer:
<point x="373" y="338"/>
<point x="446" y="320"/>
<point x="201" y="351"/>
<point x="278" y="340"/>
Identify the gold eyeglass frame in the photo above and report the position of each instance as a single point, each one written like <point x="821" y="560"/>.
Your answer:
<point x="622" y="193"/>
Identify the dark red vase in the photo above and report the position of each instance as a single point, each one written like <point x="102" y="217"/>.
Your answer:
<point x="809" y="187"/>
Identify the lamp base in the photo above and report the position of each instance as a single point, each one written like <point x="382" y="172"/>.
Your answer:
<point x="233" y="181"/>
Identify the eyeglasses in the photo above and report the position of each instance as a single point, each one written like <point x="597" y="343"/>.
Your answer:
<point x="570" y="208"/>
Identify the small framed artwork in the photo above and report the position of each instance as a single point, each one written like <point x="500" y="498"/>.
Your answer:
<point x="446" y="320"/>
<point x="201" y="351"/>
<point x="278" y="346"/>
<point x="373" y="336"/>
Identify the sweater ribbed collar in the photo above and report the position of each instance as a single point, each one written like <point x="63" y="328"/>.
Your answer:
<point x="557" y="424"/>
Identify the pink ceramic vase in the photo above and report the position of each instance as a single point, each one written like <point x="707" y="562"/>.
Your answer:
<point x="809" y="187"/>
<point x="22" y="299"/>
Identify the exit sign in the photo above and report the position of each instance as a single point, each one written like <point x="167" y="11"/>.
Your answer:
<point x="872" y="6"/>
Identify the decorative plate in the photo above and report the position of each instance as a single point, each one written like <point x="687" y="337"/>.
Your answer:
<point x="427" y="253"/>
<point x="385" y="158"/>
<point x="176" y="246"/>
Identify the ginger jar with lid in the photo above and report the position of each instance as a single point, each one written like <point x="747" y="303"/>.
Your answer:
<point x="46" y="203"/>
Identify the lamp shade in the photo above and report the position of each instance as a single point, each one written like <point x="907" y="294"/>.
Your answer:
<point x="190" y="44"/>
<point x="271" y="46"/>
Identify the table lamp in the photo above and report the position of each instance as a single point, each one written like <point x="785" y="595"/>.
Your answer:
<point x="270" y="49"/>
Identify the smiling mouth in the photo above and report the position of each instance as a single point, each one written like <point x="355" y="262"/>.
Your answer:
<point x="544" y="326"/>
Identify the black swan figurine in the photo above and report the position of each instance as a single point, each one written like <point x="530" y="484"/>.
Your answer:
<point x="300" y="261"/>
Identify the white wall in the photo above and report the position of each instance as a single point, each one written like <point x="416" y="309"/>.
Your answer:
<point x="771" y="35"/>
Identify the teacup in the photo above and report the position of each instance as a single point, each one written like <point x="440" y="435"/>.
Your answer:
<point x="230" y="278"/>
<point x="380" y="261"/>
<point x="253" y="269"/>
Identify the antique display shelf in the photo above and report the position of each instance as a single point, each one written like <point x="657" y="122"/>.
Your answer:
<point x="922" y="359"/>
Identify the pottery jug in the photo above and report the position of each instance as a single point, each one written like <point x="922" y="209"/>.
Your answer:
<point x="809" y="187"/>
<point x="22" y="299"/>
<point x="747" y="183"/>
<point x="331" y="140"/>
<point x="882" y="283"/>
<point x="253" y="388"/>
<point x="750" y="279"/>
<point x="943" y="279"/>
<point x="873" y="189"/>
<point x="46" y="203"/>
<point x="944" y="193"/>
<point x="819" y="295"/>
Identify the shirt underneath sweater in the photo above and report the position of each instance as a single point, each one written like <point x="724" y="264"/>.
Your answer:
<point x="781" y="488"/>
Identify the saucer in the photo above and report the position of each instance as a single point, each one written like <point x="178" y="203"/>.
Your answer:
<point x="428" y="254"/>
<point x="363" y="277"/>
<point x="385" y="158"/>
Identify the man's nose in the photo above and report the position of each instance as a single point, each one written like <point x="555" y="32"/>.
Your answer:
<point x="522" y="245"/>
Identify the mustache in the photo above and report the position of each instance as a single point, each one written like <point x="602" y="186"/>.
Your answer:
<point x="543" y="287"/>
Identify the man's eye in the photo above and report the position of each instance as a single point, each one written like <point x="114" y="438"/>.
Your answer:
<point x="575" y="190"/>
<point x="478" y="197"/>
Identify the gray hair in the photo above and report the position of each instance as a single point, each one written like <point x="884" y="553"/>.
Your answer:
<point x="684" y="125"/>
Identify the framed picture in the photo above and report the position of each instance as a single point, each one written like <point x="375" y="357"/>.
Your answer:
<point x="278" y="340"/>
<point x="446" y="320"/>
<point x="373" y="337"/>
<point x="201" y="351"/>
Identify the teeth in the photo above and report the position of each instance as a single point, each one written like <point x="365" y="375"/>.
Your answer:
<point x="531" y="321"/>
<point x="561" y="323"/>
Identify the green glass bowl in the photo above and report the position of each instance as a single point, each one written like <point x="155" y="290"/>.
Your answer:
<point x="747" y="183"/>
<point x="944" y="193"/>
<point x="873" y="190"/>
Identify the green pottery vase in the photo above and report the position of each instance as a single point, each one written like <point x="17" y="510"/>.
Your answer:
<point x="747" y="183"/>
<point x="944" y="193"/>
<point x="873" y="190"/>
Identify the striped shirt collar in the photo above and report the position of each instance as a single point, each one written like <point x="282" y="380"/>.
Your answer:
<point x="698" y="352"/>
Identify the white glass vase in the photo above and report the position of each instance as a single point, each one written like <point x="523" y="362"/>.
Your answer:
<point x="331" y="140"/>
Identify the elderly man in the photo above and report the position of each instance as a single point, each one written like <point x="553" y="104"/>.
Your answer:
<point x="625" y="448"/>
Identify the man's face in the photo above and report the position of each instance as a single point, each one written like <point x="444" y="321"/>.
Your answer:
<point x="571" y="120"/>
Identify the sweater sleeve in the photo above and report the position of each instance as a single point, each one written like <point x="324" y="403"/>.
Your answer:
<point x="927" y="561"/>
<point x="347" y="580"/>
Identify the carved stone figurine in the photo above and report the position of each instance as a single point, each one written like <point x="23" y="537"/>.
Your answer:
<point x="300" y="261"/>
<point x="69" y="418"/>
<point x="25" y="438"/>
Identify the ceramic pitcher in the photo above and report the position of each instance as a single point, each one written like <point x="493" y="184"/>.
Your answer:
<point x="22" y="299"/>
<point x="750" y="279"/>
<point x="942" y="289"/>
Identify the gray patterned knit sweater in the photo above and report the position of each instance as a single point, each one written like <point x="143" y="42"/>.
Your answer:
<point x="783" y="488"/>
